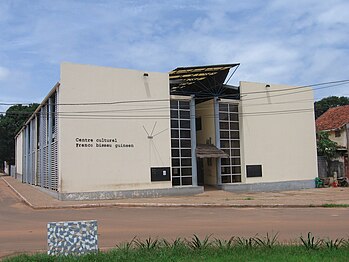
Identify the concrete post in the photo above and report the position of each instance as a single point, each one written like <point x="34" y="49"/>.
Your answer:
<point x="193" y="142"/>
<point x="218" y="139"/>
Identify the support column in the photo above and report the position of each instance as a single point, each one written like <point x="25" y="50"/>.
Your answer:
<point x="218" y="139"/>
<point x="26" y="175"/>
<point x="193" y="142"/>
<point x="23" y="155"/>
<point x="28" y="179"/>
<point x="30" y="138"/>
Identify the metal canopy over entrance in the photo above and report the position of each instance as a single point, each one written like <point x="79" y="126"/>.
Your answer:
<point x="203" y="81"/>
<point x="209" y="151"/>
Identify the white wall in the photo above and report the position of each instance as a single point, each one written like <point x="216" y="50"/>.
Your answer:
<point x="19" y="153"/>
<point x="102" y="169"/>
<point x="278" y="132"/>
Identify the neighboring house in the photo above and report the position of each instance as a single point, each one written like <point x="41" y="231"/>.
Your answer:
<point x="335" y="121"/>
<point x="108" y="133"/>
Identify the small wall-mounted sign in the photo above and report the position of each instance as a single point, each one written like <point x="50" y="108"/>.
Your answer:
<point x="253" y="170"/>
<point x="160" y="174"/>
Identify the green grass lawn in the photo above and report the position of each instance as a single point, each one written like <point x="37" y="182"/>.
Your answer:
<point x="257" y="248"/>
<point x="183" y="253"/>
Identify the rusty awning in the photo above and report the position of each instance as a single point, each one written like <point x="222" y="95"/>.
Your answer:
<point x="209" y="151"/>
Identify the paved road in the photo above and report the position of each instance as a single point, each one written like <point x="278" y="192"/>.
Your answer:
<point x="23" y="229"/>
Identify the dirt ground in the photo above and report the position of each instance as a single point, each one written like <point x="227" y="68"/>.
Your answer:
<point x="23" y="229"/>
<point x="218" y="198"/>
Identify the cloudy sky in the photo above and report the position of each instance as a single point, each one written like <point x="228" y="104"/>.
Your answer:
<point x="296" y="42"/>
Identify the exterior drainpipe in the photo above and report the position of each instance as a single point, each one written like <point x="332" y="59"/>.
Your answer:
<point x="218" y="138"/>
<point x="193" y="142"/>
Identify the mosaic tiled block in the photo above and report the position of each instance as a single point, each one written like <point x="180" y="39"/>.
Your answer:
<point x="72" y="237"/>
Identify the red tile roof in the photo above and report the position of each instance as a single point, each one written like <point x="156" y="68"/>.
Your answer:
<point x="333" y="118"/>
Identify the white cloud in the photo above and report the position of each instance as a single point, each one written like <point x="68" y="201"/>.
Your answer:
<point x="336" y="14"/>
<point x="4" y="73"/>
<point x="293" y="42"/>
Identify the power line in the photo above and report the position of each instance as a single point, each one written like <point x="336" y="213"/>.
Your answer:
<point x="167" y="116"/>
<point x="145" y="110"/>
<point x="291" y="93"/>
<point x="85" y="116"/>
<point x="300" y="87"/>
<point x="103" y="103"/>
<point x="335" y="83"/>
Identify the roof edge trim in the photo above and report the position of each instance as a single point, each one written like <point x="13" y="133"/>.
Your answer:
<point x="54" y="88"/>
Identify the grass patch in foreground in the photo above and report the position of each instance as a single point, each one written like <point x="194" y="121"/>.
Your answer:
<point x="249" y="198"/>
<point x="208" y="253"/>
<point x="335" y="205"/>
<point x="257" y="248"/>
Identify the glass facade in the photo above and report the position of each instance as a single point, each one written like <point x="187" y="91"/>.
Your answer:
<point x="181" y="143"/>
<point x="230" y="142"/>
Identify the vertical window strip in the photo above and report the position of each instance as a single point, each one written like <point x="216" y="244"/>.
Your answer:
<point x="38" y="152"/>
<point x="180" y="114"/>
<point x="229" y="128"/>
<point x="33" y="152"/>
<point x="54" y="148"/>
<point x="42" y="145"/>
<point x="45" y="147"/>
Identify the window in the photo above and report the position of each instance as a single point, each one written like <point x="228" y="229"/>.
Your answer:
<point x="337" y="133"/>
<point x="230" y="142"/>
<point x="53" y="112"/>
<point x="181" y="143"/>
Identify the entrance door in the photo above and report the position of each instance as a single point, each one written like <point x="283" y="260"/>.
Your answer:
<point x="200" y="171"/>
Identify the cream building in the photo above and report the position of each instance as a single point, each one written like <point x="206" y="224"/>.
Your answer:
<point x="111" y="133"/>
<point x="335" y="121"/>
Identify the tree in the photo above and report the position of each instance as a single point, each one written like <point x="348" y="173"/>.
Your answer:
<point x="10" y="124"/>
<point x="326" y="103"/>
<point x="326" y="147"/>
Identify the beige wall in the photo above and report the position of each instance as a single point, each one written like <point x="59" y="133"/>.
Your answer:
<point x="278" y="132"/>
<point x="342" y="139"/>
<point x="205" y="110"/>
<point x="19" y="153"/>
<point x="103" y="169"/>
